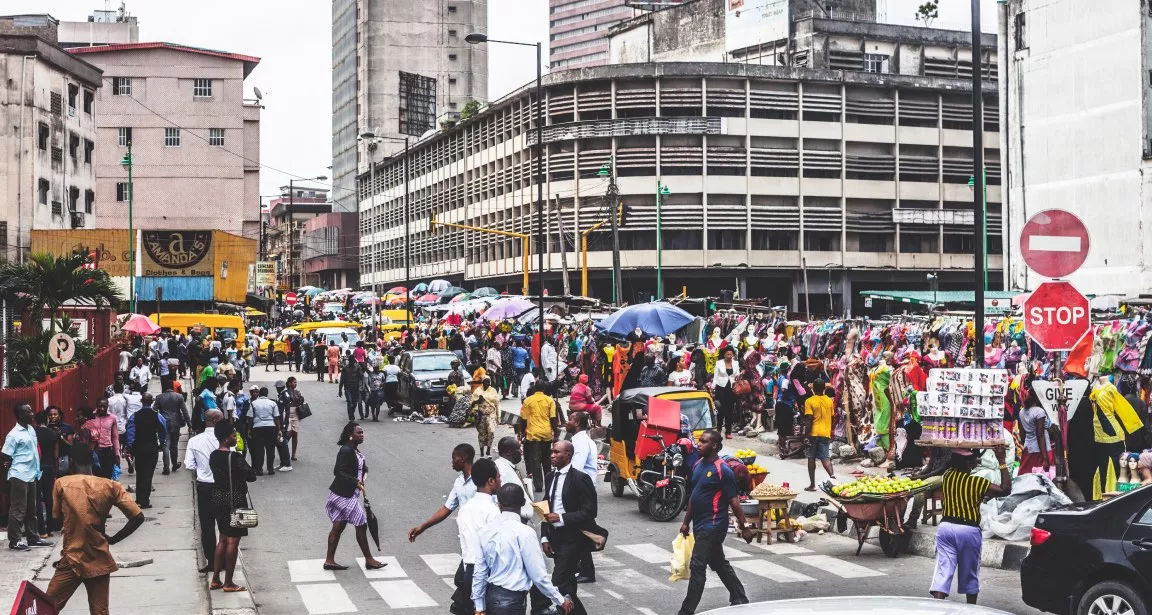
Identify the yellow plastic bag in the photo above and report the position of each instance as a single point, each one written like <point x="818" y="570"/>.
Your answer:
<point x="681" y="557"/>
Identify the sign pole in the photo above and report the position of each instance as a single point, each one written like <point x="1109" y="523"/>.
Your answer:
<point x="977" y="173"/>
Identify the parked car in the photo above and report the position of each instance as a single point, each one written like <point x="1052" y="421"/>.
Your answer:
<point x="1092" y="558"/>
<point x="854" y="605"/>
<point x="424" y="377"/>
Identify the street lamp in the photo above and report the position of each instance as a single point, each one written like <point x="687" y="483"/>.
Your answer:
<point x="661" y="192"/>
<point x="291" y="224"/>
<point x="476" y="39"/>
<point x="128" y="161"/>
<point x="934" y="282"/>
<point x="373" y="138"/>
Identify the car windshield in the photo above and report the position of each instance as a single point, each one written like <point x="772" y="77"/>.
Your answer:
<point x="223" y="333"/>
<point x="334" y="338"/>
<point x="695" y="414"/>
<point x="432" y="362"/>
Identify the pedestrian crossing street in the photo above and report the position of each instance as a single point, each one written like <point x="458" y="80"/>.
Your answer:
<point x="625" y="574"/>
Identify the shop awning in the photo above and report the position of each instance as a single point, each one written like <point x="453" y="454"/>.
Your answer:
<point x="251" y="311"/>
<point x="927" y="297"/>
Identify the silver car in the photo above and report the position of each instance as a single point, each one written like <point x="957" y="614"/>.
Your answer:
<point x="854" y="605"/>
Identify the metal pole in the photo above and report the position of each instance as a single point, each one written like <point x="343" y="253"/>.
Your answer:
<point x="978" y="178"/>
<point x="291" y="238"/>
<point x="659" y="252"/>
<point x="563" y="246"/>
<point x="407" y="240"/>
<point x="804" y="270"/>
<point x="614" y="216"/>
<point x="540" y="184"/>
<point x="131" y="236"/>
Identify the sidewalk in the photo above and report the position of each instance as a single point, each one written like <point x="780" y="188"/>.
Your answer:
<point x="1002" y="554"/>
<point x="170" y="538"/>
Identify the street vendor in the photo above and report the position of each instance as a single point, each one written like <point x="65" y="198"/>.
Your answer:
<point x="958" y="538"/>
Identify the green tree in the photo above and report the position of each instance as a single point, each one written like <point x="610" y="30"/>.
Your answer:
<point x="470" y="109"/>
<point x="928" y="12"/>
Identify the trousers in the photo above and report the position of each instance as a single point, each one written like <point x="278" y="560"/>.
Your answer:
<point x="537" y="461"/>
<point x="264" y="447"/>
<point x="44" y="489"/>
<point x="709" y="553"/>
<point x="107" y="459"/>
<point x="145" y="470"/>
<point x="957" y="554"/>
<point x="172" y="451"/>
<point x="462" y="598"/>
<point x="64" y="583"/>
<point x="500" y="601"/>
<point x="567" y="551"/>
<point x="22" y="500"/>
<point x="206" y="519"/>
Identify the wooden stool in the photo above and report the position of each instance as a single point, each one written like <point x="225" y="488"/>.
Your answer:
<point x="933" y="507"/>
<point x="767" y="527"/>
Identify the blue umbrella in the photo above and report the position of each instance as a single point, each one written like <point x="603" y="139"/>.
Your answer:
<point x="658" y="318"/>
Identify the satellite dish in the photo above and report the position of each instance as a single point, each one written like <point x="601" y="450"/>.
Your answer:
<point x="259" y="94"/>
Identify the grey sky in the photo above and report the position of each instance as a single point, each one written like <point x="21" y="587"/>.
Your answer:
<point x="293" y="38"/>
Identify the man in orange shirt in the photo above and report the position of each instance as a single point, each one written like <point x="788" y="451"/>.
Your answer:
<point x="818" y="422"/>
<point x="82" y="503"/>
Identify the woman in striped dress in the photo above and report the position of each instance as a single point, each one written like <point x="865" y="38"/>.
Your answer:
<point x="344" y="505"/>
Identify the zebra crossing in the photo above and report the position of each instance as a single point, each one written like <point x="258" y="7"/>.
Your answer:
<point x="626" y="573"/>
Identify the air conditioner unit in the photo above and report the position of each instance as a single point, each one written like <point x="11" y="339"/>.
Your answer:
<point x="77" y="219"/>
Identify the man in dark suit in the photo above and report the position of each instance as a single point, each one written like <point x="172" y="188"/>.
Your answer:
<point x="571" y="497"/>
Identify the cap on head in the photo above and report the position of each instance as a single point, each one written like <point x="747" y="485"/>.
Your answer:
<point x="279" y="384"/>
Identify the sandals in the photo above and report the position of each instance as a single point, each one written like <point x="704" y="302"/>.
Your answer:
<point x="334" y="567"/>
<point x="377" y="566"/>
<point x="215" y="586"/>
<point x="235" y="589"/>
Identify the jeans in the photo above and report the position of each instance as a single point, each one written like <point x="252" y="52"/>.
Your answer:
<point x="107" y="460"/>
<point x="709" y="553"/>
<point x="352" y="397"/>
<point x="44" y="488"/>
<point x="206" y="519"/>
<point x="145" y="470"/>
<point x="263" y="447"/>
<point x="22" y="499"/>
<point x="282" y="446"/>
<point x="500" y="601"/>
<point x="172" y="451"/>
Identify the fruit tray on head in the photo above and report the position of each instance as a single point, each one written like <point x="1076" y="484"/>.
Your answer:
<point x="875" y="488"/>
<point x="745" y="456"/>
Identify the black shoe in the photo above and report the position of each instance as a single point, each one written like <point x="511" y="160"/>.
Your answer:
<point x="18" y="546"/>
<point x="145" y="506"/>
<point x="584" y="579"/>
<point x="40" y="542"/>
<point x="259" y="472"/>
<point x="166" y="472"/>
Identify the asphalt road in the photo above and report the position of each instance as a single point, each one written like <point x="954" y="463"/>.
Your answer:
<point x="410" y="476"/>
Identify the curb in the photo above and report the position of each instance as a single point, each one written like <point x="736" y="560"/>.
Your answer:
<point x="995" y="553"/>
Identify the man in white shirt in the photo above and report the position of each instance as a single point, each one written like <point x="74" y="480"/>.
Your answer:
<point x="548" y="358"/>
<point x="196" y="460"/>
<point x="474" y="516"/>
<point x="584" y="458"/>
<point x="509" y="561"/>
<point x="508" y="449"/>
<point x="140" y="375"/>
<point x="133" y="401"/>
<point x="125" y="361"/>
<point x="118" y="407"/>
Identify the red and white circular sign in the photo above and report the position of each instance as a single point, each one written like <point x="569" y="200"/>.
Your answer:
<point x="1054" y="243"/>
<point x="290" y="298"/>
<point x="1057" y="316"/>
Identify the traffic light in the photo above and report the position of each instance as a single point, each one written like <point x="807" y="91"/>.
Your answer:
<point x="709" y="306"/>
<point x="623" y="213"/>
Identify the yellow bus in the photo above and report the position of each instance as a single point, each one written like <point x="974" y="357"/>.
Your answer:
<point x="216" y="326"/>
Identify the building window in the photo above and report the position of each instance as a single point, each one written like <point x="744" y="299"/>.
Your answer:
<point x="451" y="81"/>
<point x="43" y="137"/>
<point x="452" y="33"/>
<point x="57" y="104"/>
<point x="57" y="209"/>
<point x="216" y="137"/>
<point x="88" y="147"/>
<point x="452" y="57"/>
<point x="42" y="188"/>
<point x="876" y="63"/>
<point x="417" y="104"/>
<point x="123" y="136"/>
<point x="1019" y="27"/>
<point x="821" y="241"/>
<point x="73" y="94"/>
<point x="73" y="146"/>
<point x="171" y="137"/>
<point x="122" y="191"/>
<point x="89" y="201"/>
<point x="89" y="101"/>
<point x="121" y="86"/>
<point x="202" y="88"/>
<point x="73" y="198"/>
<point x="451" y="8"/>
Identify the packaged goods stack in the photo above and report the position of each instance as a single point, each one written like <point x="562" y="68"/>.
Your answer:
<point x="963" y="408"/>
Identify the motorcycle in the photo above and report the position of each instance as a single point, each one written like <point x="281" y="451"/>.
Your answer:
<point x="663" y="482"/>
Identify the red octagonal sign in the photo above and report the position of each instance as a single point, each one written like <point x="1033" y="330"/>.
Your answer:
<point x="1057" y="316"/>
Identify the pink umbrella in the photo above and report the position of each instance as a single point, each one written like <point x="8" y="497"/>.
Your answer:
<point x="140" y="325"/>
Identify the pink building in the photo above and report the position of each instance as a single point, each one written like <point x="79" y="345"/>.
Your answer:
<point x="195" y="139"/>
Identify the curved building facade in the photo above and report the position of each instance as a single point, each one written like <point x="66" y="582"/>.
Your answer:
<point x="780" y="182"/>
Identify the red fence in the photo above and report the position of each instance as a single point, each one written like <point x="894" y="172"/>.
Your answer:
<point x="70" y="389"/>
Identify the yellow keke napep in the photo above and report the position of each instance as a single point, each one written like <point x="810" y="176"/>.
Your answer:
<point x="397" y="319"/>
<point x="216" y="326"/>
<point x="282" y="349"/>
<point x="628" y="447"/>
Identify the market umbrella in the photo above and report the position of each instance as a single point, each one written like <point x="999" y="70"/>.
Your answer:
<point x="451" y="291"/>
<point x="656" y="318"/>
<point x="373" y="524"/>
<point x="438" y="285"/>
<point x="396" y="290"/>
<point x="398" y="299"/>
<point x="486" y="291"/>
<point x="461" y="297"/>
<point x="419" y="289"/>
<point x="507" y="308"/>
<point x="428" y="299"/>
<point x="140" y="325"/>
<point x="312" y="292"/>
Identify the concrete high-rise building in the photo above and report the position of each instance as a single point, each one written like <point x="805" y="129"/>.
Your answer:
<point x="578" y="31"/>
<point x="47" y="172"/>
<point x="102" y="28"/>
<point x="399" y="69"/>
<point x="195" y="138"/>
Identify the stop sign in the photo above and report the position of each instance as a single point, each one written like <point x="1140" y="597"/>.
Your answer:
<point x="290" y="298"/>
<point x="1056" y="315"/>
<point x="1054" y="243"/>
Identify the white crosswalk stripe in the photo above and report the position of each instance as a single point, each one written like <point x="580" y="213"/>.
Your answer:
<point x="781" y="548"/>
<point x="309" y="571"/>
<point x="769" y="570"/>
<point x="403" y="594"/>
<point x="647" y="552"/>
<point x="442" y="564"/>
<point x="391" y="570"/>
<point x="632" y="581"/>
<point x="325" y="599"/>
<point x="837" y="566"/>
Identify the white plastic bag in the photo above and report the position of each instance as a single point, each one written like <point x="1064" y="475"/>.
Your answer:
<point x="815" y="523"/>
<point x="681" y="557"/>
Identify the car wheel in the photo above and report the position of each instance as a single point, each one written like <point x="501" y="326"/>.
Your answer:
<point x="617" y="482"/>
<point x="1112" y="598"/>
<point x="281" y="357"/>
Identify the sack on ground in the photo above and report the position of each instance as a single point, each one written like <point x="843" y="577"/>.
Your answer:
<point x="814" y="523"/>
<point x="682" y="557"/>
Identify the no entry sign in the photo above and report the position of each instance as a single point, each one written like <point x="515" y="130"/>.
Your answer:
<point x="1056" y="315"/>
<point x="1054" y="243"/>
<point x="290" y="299"/>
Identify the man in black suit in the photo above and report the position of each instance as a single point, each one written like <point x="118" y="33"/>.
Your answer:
<point x="572" y="502"/>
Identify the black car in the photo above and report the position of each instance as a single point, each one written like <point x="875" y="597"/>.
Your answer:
<point x="1093" y="558"/>
<point x="424" y="377"/>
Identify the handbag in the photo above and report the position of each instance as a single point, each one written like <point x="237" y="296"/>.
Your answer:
<point x="241" y="517"/>
<point x="741" y="387"/>
<point x="303" y="411"/>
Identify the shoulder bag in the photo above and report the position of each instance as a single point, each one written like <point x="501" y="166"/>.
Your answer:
<point x="303" y="411"/>
<point x="741" y="386"/>
<point x="242" y="518"/>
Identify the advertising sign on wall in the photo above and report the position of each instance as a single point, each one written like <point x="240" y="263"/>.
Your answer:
<point x="748" y="23"/>
<point x="176" y="253"/>
<point x="265" y="274"/>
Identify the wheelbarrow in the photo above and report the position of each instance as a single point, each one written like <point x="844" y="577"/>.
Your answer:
<point x="887" y="514"/>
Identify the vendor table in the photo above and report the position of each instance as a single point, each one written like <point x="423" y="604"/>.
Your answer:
<point x="772" y="516"/>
